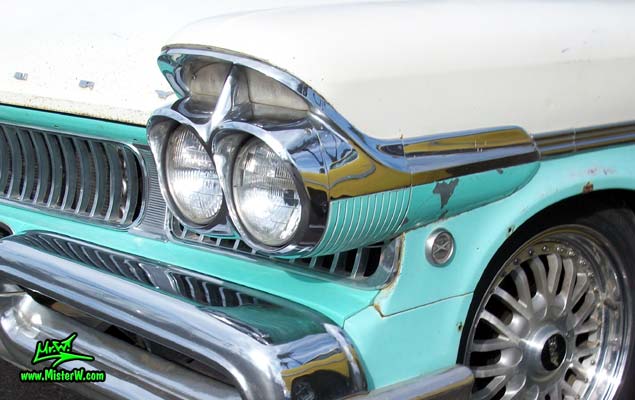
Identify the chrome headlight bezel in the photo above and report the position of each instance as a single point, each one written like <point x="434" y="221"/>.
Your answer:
<point x="226" y="145"/>
<point x="257" y="217"/>
<point x="163" y="128"/>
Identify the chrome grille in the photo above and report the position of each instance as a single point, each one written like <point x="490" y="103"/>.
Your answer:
<point x="202" y="290"/>
<point x="76" y="176"/>
<point x="357" y="264"/>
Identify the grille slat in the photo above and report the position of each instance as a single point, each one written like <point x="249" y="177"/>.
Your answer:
<point x="16" y="163"/>
<point x="114" y="166"/>
<point x="83" y="197"/>
<point x="99" y="162"/>
<point x="132" y="178"/>
<point x="57" y="170"/>
<point x="71" y="177"/>
<point x="44" y="168"/>
<point x="5" y="160"/>
<point x="357" y="264"/>
<point x="78" y="176"/>
<point x="28" y="183"/>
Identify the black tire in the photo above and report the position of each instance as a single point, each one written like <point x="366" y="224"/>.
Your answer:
<point x="616" y="223"/>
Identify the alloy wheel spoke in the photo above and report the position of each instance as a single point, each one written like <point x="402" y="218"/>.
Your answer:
<point x="488" y="345"/>
<point x="522" y="286"/>
<point x="555" y="269"/>
<point x="513" y="304"/>
<point x="568" y="283"/>
<point x="579" y="370"/>
<point x="581" y="287"/>
<point x="585" y="310"/>
<point x="540" y="275"/>
<point x="589" y="326"/>
<point x="587" y="350"/>
<point x="488" y="371"/>
<point x="499" y="326"/>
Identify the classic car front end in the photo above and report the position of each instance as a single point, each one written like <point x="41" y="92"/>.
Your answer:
<point x="320" y="201"/>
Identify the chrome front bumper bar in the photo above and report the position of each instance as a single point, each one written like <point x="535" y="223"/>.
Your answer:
<point x="260" y="346"/>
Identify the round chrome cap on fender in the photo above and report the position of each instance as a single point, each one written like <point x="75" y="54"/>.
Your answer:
<point x="554" y="323"/>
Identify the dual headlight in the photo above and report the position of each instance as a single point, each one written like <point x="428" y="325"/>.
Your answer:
<point x="264" y="193"/>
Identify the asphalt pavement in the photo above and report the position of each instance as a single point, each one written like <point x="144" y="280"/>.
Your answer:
<point x="12" y="388"/>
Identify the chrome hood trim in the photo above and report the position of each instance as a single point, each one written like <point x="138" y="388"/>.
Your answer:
<point x="347" y="175"/>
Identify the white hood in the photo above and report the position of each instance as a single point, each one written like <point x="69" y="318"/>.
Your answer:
<point x="112" y="43"/>
<point x="392" y="69"/>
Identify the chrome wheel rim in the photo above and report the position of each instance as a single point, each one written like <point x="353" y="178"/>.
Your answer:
<point x="555" y="322"/>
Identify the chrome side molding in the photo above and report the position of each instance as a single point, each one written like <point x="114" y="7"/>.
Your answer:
<point x="558" y="143"/>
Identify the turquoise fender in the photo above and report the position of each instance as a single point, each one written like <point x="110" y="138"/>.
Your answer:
<point x="416" y="322"/>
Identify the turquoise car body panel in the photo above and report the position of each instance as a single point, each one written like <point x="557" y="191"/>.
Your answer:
<point x="417" y="319"/>
<point x="408" y="344"/>
<point x="479" y="233"/>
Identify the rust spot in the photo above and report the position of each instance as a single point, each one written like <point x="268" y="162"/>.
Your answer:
<point x="460" y="326"/>
<point x="588" y="188"/>
<point x="445" y="190"/>
<point x="386" y="291"/>
<point x="378" y="309"/>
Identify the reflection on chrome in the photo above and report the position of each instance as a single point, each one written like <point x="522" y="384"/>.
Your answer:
<point x="227" y="100"/>
<point x="264" y="346"/>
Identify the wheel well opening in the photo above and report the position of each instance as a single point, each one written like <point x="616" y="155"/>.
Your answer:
<point x="558" y="213"/>
<point x="579" y="205"/>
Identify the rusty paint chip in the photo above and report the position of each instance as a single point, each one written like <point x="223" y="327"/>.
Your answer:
<point x="445" y="190"/>
<point x="588" y="188"/>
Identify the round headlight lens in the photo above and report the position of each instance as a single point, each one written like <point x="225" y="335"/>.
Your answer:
<point x="265" y="194"/>
<point x="191" y="177"/>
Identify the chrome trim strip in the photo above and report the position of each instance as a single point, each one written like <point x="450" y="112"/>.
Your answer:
<point x="450" y="155"/>
<point x="269" y="348"/>
<point x="453" y="384"/>
<point x="557" y="143"/>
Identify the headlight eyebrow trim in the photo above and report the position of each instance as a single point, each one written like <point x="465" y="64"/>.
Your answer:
<point x="355" y="170"/>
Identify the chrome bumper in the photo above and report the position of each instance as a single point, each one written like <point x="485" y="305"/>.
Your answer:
<point x="260" y="346"/>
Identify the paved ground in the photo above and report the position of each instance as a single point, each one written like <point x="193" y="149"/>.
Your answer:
<point x="12" y="388"/>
